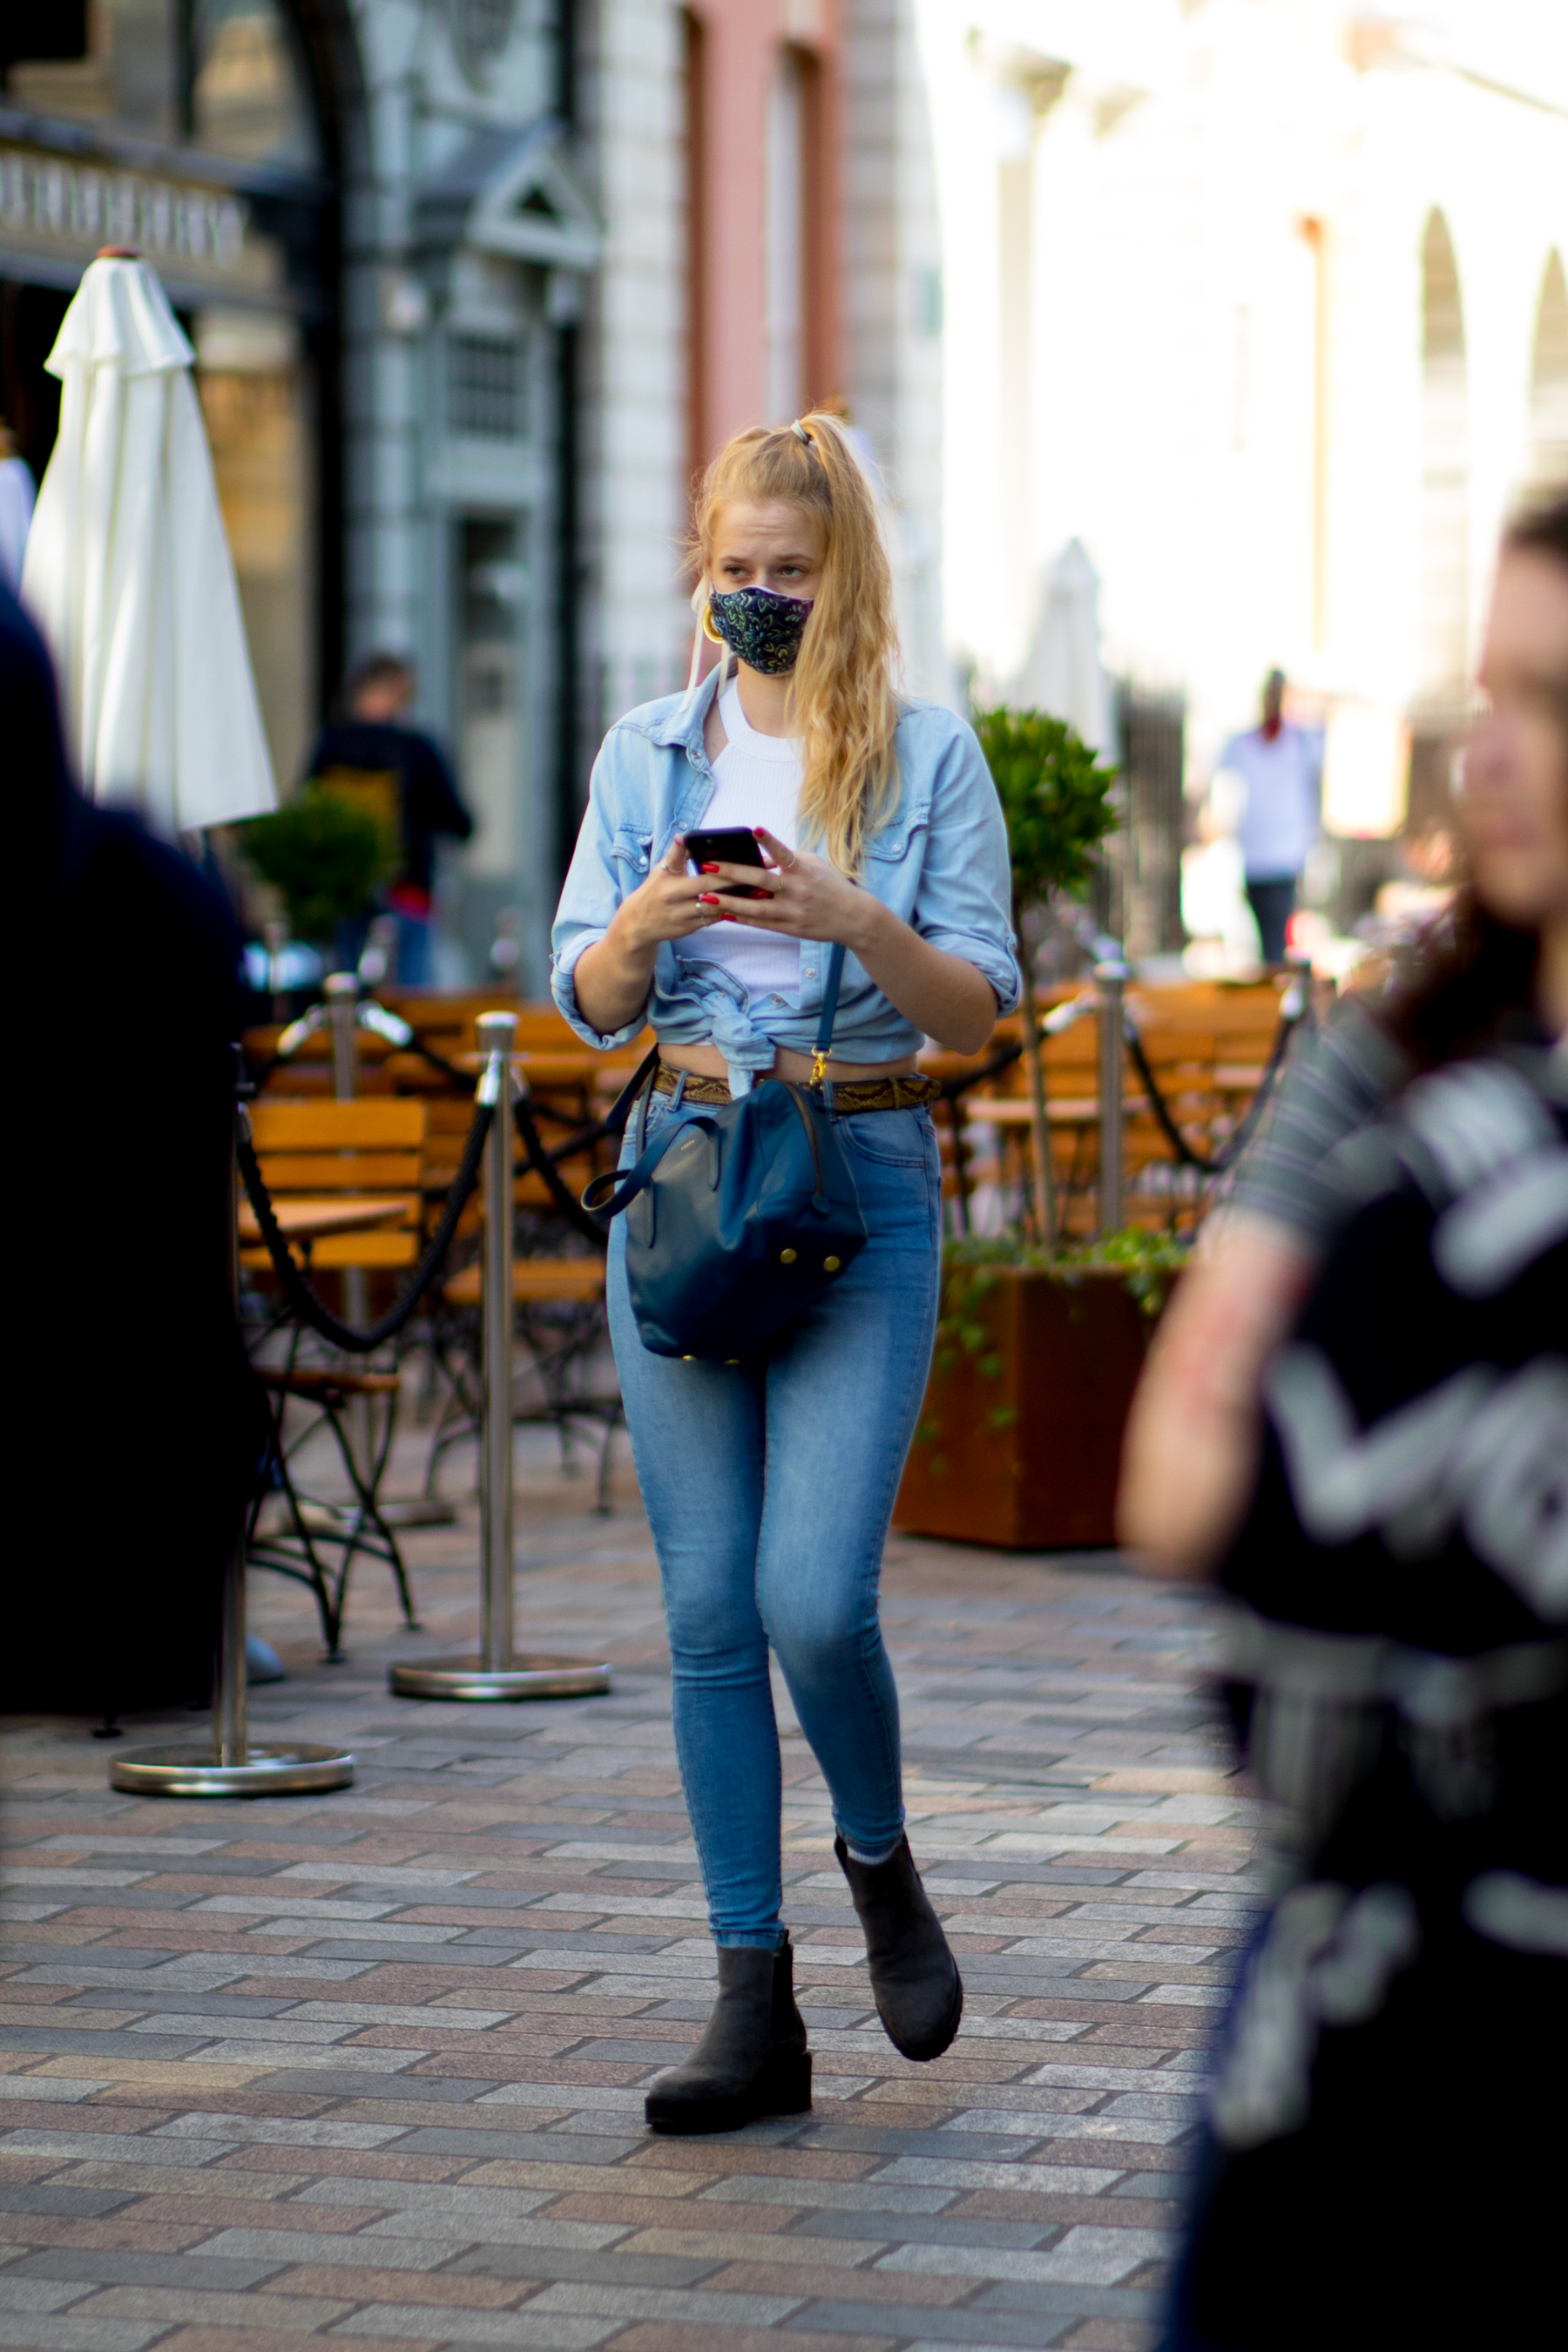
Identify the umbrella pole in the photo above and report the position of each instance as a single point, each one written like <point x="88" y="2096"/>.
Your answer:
<point x="226" y="1765"/>
<point x="497" y="1672"/>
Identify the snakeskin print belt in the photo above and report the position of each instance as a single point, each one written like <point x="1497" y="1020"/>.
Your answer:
<point x="850" y="1096"/>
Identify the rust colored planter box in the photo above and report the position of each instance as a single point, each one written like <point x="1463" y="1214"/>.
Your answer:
<point x="1020" y="1437"/>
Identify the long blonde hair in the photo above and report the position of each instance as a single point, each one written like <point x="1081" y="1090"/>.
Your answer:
<point x="843" y="705"/>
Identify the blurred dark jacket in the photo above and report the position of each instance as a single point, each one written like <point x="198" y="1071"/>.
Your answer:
<point x="417" y="793"/>
<point x="138" y="1431"/>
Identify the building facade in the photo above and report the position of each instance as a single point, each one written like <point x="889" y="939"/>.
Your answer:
<point x="771" y="244"/>
<point x="1265" y="303"/>
<point x="475" y="287"/>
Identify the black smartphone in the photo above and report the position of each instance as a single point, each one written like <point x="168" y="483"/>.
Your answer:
<point x="728" y="845"/>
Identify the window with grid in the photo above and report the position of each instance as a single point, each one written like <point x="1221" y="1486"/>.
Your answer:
<point x="485" y="386"/>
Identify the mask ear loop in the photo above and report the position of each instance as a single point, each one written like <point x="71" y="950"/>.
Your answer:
<point x="699" y="606"/>
<point x="705" y="628"/>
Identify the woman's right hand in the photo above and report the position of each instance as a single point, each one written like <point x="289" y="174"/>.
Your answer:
<point x="668" y="906"/>
<point x="613" y="977"/>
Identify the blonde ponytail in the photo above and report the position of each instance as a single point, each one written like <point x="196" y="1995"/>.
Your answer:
<point x="843" y="706"/>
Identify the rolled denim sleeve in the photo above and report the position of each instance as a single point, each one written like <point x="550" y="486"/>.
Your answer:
<point x="595" y="887"/>
<point x="965" y="901"/>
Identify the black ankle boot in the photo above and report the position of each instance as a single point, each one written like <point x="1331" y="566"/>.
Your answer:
<point x="751" y="2060"/>
<point x="915" y="1978"/>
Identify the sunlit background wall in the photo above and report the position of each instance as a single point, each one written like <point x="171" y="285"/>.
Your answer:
<point x="1182" y="338"/>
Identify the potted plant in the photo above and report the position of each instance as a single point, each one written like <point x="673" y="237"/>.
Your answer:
<point x="1039" y="1345"/>
<point x="1055" y="795"/>
<point x="1037" y="1354"/>
<point x="325" y="856"/>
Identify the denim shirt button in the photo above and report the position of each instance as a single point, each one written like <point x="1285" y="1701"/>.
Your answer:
<point x="811" y="972"/>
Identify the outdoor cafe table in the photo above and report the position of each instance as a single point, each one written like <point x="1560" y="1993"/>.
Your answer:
<point x="309" y="1220"/>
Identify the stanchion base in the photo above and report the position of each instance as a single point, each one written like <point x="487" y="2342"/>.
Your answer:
<point x="526" y="1677"/>
<point x="185" y="1768"/>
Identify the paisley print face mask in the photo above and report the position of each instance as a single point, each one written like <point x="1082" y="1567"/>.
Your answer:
<point x="761" y="627"/>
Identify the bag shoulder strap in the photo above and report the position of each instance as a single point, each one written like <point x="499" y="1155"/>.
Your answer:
<point x="829" y="1014"/>
<point x="620" y="1110"/>
<point x="623" y="1187"/>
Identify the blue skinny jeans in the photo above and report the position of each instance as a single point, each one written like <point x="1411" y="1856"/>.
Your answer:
<point x="769" y="1486"/>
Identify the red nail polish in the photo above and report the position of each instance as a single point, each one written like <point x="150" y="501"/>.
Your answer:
<point x="708" y="869"/>
<point x="707" y="899"/>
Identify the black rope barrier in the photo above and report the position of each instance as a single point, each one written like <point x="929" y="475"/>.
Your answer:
<point x="299" y="1292"/>
<point x="545" y="1164"/>
<point x="953" y="1089"/>
<point x="581" y="1220"/>
<point x="1230" y="1151"/>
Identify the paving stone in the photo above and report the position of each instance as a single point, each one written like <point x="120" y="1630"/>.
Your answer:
<point x="979" y="2331"/>
<point x="410" y="2022"/>
<point x="534" y="2331"/>
<point x="19" y="2197"/>
<point x="267" y="2248"/>
<point x="107" y="2267"/>
<point x="38" y="2294"/>
<point x="168" y="2304"/>
<point x="66" y="2331"/>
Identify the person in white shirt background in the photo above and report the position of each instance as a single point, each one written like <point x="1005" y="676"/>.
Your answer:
<point x="17" y="497"/>
<point x="1281" y="767"/>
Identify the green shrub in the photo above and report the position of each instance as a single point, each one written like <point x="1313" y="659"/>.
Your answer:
<point x="1055" y="797"/>
<point x="1056" y="805"/>
<point x="326" y="856"/>
<point x="1147" y="1263"/>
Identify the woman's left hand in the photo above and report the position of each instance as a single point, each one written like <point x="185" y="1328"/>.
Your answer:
<point x="807" y="897"/>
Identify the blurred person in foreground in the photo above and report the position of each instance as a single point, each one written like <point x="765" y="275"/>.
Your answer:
<point x="1281" y="766"/>
<point x="18" y="496"/>
<point x="137" y="1431"/>
<point x="1355" y="1416"/>
<point x="373" y="757"/>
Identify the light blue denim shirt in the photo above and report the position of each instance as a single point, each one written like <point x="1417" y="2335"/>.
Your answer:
<point x="939" y="861"/>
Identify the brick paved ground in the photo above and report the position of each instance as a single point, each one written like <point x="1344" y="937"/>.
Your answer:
<point x="370" y="2065"/>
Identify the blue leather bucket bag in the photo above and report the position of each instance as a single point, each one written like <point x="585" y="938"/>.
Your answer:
<point x="738" y="1214"/>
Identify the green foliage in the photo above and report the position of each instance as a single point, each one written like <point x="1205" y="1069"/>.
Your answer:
<point x="1055" y="797"/>
<point x="971" y="1271"/>
<point x="1147" y="1263"/>
<point x="326" y="857"/>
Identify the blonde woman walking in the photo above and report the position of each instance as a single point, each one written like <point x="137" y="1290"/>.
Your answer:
<point x="769" y="1483"/>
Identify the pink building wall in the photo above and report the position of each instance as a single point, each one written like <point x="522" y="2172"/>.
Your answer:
<point x="735" y="58"/>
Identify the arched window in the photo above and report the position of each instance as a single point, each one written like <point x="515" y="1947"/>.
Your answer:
<point x="1444" y="550"/>
<point x="1548" y="461"/>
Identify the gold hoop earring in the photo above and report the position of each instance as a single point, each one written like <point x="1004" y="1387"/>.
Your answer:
<point x="708" y="631"/>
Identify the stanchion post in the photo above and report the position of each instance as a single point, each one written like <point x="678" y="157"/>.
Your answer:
<point x="340" y="989"/>
<point x="1112" y="979"/>
<point x="498" y="1673"/>
<point x="497" y="1032"/>
<point x="276" y="935"/>
<point x="226" y="1765"/>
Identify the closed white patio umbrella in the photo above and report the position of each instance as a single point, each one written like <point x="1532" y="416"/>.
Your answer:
<point x="1064" y="673"/>
<point x="128" y="572"/>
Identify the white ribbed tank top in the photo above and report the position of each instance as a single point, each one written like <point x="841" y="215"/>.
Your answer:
<point x="756" y="781"/>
